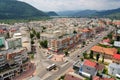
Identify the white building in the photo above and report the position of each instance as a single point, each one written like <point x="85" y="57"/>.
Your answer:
<point x="114" y="69"/>
<point x="13" y="43"/>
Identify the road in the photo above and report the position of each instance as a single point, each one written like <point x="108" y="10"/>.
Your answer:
<point x="63" y="69"/>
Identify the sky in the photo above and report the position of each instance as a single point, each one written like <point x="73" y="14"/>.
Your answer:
<point x="64" y="5"/>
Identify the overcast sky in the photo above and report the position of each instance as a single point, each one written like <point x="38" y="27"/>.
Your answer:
<point x="62" y="5"/>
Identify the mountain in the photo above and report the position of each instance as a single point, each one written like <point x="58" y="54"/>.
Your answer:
<point x="114" y="13"/>
<point x="85" y="13"/>
<point x="67" y="13"/>
<point x="13" y="9"/>
<point x="52" y="13"/>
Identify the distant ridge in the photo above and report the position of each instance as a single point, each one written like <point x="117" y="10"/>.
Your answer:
<point x="52" y="13"/>
<point x="13" y="9"/>
<point x="114" y="13"/>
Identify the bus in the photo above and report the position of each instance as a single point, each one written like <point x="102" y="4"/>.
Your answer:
<point x="49" y="68"/>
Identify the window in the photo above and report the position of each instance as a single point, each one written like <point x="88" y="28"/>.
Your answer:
<point x="88" y="68"/>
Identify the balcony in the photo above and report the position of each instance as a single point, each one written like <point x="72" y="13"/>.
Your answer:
<point x="25" y="60"/>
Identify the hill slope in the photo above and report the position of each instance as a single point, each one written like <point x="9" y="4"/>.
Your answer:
<point x="114" y="13"/>
<point x="13" y="9"/>
<point x="52" y="13"/>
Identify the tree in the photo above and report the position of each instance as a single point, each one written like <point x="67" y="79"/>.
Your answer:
<point x="85" y="55"/>
<point x="97" y="56"/>
<point x="112" y="42"/>
<point x="74" y="32"/>
<point x="8" y="35"/>
<point x="110" y="35"/>
<point x="44" y="44"/>
<point x="33" y="31"/>
<point x="43" y="27"/>
<point x="66" y="52"/>
<point x="82" y="59"/>
<point x="118" y="50"/>
<point x="32" y="42"/>
<point x="31" y="35"/>
<point x="102" y="59"/>
<point x="84" y="43"/>
<point x="38" y="35"/>
<point x="91" y="54"/>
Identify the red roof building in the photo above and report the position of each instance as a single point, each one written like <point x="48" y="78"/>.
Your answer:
<point x="90" y="63"/>
<point x="116" y="56"/>
<point x="98" y="78"/>
<point x="71" y="77"/>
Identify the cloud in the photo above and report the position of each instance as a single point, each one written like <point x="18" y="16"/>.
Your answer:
<point x="61" y="5"/>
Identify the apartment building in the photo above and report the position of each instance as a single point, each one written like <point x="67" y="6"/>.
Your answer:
<point x="114" y="69"/>
<point x="107" y="52"/>
<point x="3" y="33"/>
<point x="17" y="56"/>
<point x="63" y="42"/>
<point x="13" y="62"/>
<point x="13" y="43"/>
<point x="2" y="61"/>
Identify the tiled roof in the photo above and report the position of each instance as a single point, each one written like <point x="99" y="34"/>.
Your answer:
<point x="94" y="65"/>
<point x="98" y="78"/>
<point x="90" y="63"/>
<point x="109" y="51"/>
<point x="71" y="77"/>
<point x="116" y="56"/>
<point x="106" y="40"/>
<point x="85" y="30"/>
<point x="117" y="23"/>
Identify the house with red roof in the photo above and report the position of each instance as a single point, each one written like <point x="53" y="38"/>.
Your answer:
<point x="90" y="68"/>
<point x="101" y="78"/>
<point x="107" y="52"/>
<point x="3" y="33"/>
<point x="71" y="77"/>
<point x="116" y="58"/>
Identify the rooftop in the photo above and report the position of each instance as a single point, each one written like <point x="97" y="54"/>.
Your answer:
<point x="98" y="78"/>
<point x="115" y="65"/>
<point x="71" y="77"/>
<point x="93" y="64"/>
<point x="90" y="63"/>
<point x="116" y="56"/>
<point x="109" y="51"/>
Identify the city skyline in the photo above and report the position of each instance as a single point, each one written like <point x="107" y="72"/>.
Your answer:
<point x="61" y="5"/>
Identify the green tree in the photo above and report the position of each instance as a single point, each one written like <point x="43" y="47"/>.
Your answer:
<point x="43" y="27"/>
<point x="112" y="42"/>
<point x="97" y="56"/>
<point x="110" y="35"/>
<point x="44" y="44"/>
<point x="66" y="52"/>
<point x="84" y="42"/>
<point x="38" y="35"/>
<point x="85" y="55"/>
<point x="118" y="50"/>
<point x="31" y="35"/>
<point x="62" y="77"/>
<point x="74" y="32"/>
<point x="91" y="54"/>
<point x="8" y="35"/>
<point x="33" y="31"/>
<point x="32" y="42"/>
<point x="102" y="59"/>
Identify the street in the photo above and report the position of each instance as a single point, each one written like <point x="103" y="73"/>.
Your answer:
<point x="49" y="75"/>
